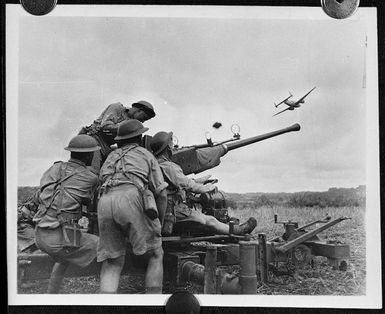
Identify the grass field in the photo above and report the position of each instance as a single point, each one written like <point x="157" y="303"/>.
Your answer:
<point x="320" y="279"/>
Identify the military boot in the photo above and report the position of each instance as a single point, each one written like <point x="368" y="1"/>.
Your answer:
<point x="246" y="227"/>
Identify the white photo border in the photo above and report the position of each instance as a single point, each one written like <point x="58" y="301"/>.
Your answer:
<point x="373" y="297"/>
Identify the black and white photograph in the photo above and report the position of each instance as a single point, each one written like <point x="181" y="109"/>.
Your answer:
<point x="230" y="152"/>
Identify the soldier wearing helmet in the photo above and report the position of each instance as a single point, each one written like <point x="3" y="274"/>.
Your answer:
<point x="178" y="184"/>
<point x="105" y="127"/>
<point x="64" y="188"/>
<point x="126" y="173"/>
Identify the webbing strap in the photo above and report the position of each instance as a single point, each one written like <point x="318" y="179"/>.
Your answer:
<point x="58" y="183"/>
<point x="130" y="176"/>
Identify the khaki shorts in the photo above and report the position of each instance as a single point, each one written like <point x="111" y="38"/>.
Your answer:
<point x="50" y="241"/>
<point x="185" y="213"/>
<point x="121" y="220"/>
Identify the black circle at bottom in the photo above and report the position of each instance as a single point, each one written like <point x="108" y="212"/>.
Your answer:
<point x="182" y="302"/>
<point x="38" y="7"/>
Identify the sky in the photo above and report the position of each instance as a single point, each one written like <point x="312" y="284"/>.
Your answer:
<point x="197" y="71"/>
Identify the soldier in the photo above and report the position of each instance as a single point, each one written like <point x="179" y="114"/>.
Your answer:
<point x="105" y="127"/>
<point x="25" y="224"/>
<point x="126" y="173"/>
<point x="178" y="184"/>
<point x="64" y="188"/>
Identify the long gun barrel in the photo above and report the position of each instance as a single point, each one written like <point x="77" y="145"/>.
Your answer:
<point x="258" y="138"/>
<point x="193" y="160"/>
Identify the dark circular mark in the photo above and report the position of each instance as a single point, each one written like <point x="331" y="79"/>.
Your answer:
<point x="38" y="7"/>
<point x="340" y="9"/>
<point x="182" y="302"/>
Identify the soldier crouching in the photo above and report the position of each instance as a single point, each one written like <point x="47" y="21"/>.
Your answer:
<point x="64" y="188"/>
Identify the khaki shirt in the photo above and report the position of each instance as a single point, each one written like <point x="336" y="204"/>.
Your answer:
<point x="108" y="122"/>
<point x="132" y="162"/>
<point x="178" y="179"/>
<point x="112" y="116"/>
<point x="75" y="191"/>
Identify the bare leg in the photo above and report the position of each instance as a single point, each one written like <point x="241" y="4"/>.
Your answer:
<point x="110" y="274"/>
<point x="223" y="228"/>
<point x="218" y="226"/>
<point x="57" y="276"/>
<point x="154" y="273"/>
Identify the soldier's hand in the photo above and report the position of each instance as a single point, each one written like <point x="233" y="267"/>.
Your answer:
<point x="202" y="179"/>
<point x="211" y="188"/>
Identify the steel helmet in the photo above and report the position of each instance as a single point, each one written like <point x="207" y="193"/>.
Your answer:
<point x="82" y="143"/>
<point x="146" y="107"/>
<point x="160" y="141"/>
<point x="129" y="129"/>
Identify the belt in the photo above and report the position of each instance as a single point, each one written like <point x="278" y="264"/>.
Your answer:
<point x="65" y="216"/>
<point x="113" y="183"/>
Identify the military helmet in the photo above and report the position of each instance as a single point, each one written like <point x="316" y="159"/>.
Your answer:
<point x="146" y="107"/>
<point x="82" y="143"/>
<point x="160" y="141"/>
<point x="129" y="129"/>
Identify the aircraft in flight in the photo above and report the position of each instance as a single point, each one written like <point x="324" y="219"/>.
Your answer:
<point x="291" y="103"/>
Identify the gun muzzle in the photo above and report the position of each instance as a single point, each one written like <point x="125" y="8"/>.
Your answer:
<point x="258" y="138"/>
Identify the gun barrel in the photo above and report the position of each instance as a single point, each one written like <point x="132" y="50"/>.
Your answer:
<point x="258" y="138"/>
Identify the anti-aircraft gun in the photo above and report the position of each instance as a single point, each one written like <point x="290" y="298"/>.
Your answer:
<point x="185" y="260"/>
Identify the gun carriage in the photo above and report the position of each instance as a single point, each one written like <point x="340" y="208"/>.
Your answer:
<point x="192" y="254"/>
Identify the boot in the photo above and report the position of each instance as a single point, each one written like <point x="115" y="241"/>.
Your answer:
<point x="246" y="227"/>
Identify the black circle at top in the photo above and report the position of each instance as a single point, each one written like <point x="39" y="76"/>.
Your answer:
<point x="182" y="302"/>
<point x="38" y="7"/>
<point x="340" y="9"/>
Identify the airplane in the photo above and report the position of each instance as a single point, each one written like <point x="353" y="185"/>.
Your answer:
<point x="292" y="104"/>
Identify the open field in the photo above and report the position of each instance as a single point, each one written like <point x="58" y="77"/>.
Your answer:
<point x="319" y="280"/>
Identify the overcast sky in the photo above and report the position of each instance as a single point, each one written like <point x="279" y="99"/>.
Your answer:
<point x="196" y="72"/>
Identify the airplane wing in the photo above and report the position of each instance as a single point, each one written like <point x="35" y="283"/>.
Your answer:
<point x="288" y="108"/>
<point x="283" y="101"/>
<point x="299" y="100"/>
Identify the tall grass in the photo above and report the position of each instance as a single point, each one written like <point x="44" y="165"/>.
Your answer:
<point x="320" y="280"/>
<point x="304" y="215"/>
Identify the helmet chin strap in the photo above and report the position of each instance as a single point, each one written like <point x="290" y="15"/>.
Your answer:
<point x="167" y="151"/>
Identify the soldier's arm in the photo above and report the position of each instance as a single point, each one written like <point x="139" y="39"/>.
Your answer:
<point x="161" y="204"/>
<point x="178" y="178"/>
<point x="112" y="117"/>
<point x="91" y="183"/>
<point x="108" y="168"/>
<point x="158" y="186"/>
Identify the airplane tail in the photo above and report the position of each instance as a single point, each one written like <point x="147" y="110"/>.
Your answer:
<point x="275" y="105"/>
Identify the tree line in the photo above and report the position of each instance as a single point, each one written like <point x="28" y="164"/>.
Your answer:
<point x="333" y="197"/>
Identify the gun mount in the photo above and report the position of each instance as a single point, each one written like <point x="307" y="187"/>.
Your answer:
<point x="198" y="158"/>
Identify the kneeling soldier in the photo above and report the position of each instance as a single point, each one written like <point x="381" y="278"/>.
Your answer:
<point x="64" y="189"/>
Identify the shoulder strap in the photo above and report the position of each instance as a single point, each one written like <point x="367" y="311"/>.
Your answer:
<point x="59" y="181"/>
<point x="131" y="176"/>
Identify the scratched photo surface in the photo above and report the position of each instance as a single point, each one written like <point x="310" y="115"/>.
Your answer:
<point x="215" y="74"/>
